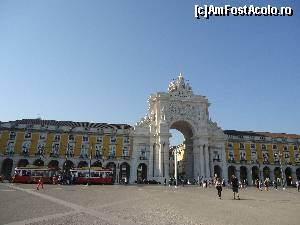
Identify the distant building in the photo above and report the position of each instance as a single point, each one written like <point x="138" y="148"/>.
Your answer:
<point x="179" y="149"/>
<point x="252" y="155"/>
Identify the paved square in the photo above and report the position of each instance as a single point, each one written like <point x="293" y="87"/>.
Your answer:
<point x="150" y="204"/>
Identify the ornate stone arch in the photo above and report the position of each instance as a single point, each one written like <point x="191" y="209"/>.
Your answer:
<point x="181" y="109"/>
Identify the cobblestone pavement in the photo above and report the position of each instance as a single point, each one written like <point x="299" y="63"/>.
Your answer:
<point x="149" y="204"/>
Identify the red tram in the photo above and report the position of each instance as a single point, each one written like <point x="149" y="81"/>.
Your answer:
<point x="93" y="175"/>
<point x="31" y="174"/>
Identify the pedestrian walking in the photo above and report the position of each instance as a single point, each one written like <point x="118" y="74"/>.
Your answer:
<point x="40" y="183"/>
<point x="219" y="187"/>
<point x="298" y="185"/>
<point x="267" y="183"/>
<point x="257" y="183"/>
<point x="275" y="184"/>
<point x="235" y="187"/>
<point x="260" y="184"/>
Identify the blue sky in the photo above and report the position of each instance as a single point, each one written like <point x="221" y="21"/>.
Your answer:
<point x="100" y="60"/>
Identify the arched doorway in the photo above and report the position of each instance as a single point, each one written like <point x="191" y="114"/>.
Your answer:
<point x="277" y="173"/>
<point x="185" y="156"/>
<point x="266" y="172"/>
<point x="255" y="174"/>
<point x="231" y="171"/>
<point x="243" y="174"/>
<point x="97" y="164"/>
<point x="142" y="173"/>
<point x="53" y="164"/>
<point x="112" y="166"/>
<point x="298" y="173"/>
<point x="218" y="171"/>
<point x="124" y="172"/>
<point x="68" y="164"/>
<point x="22" y="163"/>
<point x="288" y="176"/>
<point x="38" y="162"/>
<point x="7" y="168"/>
<point x="82" y="164"/>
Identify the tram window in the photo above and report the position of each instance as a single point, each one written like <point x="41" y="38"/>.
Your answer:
<point x="38" y="173"/>
<point x="25" y="173"/>
<point x="80" y="174"/>
<point x="96" y="174"/>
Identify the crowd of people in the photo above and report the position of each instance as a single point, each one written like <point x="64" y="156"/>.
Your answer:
<point x="234" y="183"/>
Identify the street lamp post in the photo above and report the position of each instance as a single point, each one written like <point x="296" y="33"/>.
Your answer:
<point x="281" y="170"/>
<point x="90" y="164"/>
<point x="175" y="164"/>
<point x="259" y="171"/>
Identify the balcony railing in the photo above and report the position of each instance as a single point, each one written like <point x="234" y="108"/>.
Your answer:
<point x="231" y="160"/>
<point x="9" y="153"/>
<point x="111" y="157"/>
<point x="125" y="157"/>
<point x="98" y="156"/>
<point x="216" y="160"/>
<point x="243" y="161"/>
<point x="69" y="154"/>
<point x="83" y="156"/>
<point x="25" y="153"/>
<point x="143" y="158"/>
<point x="39" y="153"/>
<point x="54" y="155"/>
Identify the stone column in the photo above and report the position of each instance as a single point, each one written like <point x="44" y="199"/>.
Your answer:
<point x="166" y="161"/>
<point x="133" y="166"/>
<point x="224" y="164"/>
<point x="272" y="176"/>
<point x="201" y="156"/>
<point x="196" y="152"/>
<point x="207" y="171"/>
<point x="249" y="175"/>
<point x="160" y="159"/>
<point x="294" y="176"/>
<point x="237" y="173"/>
<point x="150" y="161"/>
<point x="211" y="162"/>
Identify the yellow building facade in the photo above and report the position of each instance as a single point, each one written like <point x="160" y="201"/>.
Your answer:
<point x="260" y="155"/>
<point x="65" y="144"/>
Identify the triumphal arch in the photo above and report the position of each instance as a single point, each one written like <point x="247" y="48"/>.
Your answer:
<point x="178" y="108"/>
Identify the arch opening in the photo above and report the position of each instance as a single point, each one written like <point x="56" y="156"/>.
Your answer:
<point x="22" y="163"/>
<point x="141" y="173"/>
<point x="243" y="174"/>
<point x="266" y="172"/>
<point x="231" y="171"/>
<point x="6" y="168"/>
<point x="217" y="171"/>
<point x="67" y="166"/>
<point x="288" y="176"/>
<point x="53" y="164"/>
<point x="113" y="167"/>
<point x="38" y="162"/>
<point x="124" y="173"/>
<point x="182" y="145"/>
<point x="255" y="174"/>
